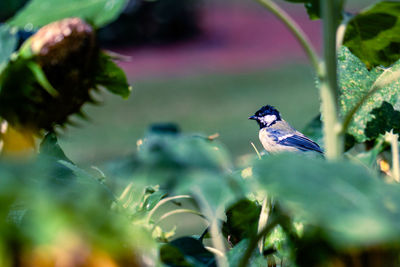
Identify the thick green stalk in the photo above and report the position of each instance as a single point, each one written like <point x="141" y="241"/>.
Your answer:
<point x="394" y="142"/>
<point x="262" y="221"/>
<point x="329" y="88"/>
<point x="244" y="261"/>
<point x="216" y="236"/>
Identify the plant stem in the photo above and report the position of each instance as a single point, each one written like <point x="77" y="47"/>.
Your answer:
<point x="326" y="72"/>
<point x="329" y="88"/>
<point x="394" y="142"/>
<point x="178" y="211"/>
<point x="296" y="31"/>
<point x="255" y="149"/>
<point x="165" y="200"/>
<point x="216" y="236"/>
<point x="253" y="242"/>
<point x="262" y="221"/>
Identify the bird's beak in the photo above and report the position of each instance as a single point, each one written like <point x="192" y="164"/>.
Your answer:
<point x="253" y="118"/>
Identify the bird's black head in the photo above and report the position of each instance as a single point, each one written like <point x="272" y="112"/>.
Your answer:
<point x="266" y="116"/>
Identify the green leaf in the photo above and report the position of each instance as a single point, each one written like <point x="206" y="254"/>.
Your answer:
<point x="242" y="220"/>
<point x="238" y="251"/>
<point x="112" y="77"/>
<point x="313" y="7"/>
<point x="186" y="251"/>
<point x="51" y="148"/>
<point x="8" y="43"/>
<point x="344" y="200"/>
<point x="189" y="165"/>
<point x="38" y="13"/>
<point x="385" y="120"/>
<point x="355" y="82"/>
<point x="41" y="78"/>
<point x="374" y="34"/>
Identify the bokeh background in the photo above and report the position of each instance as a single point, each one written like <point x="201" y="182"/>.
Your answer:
<point x="205" y="65"/>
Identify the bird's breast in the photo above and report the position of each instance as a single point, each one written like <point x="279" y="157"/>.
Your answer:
<point x="270" y="140"/>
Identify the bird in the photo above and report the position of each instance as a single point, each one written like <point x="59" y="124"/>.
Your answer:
<point x="276" y="135"/>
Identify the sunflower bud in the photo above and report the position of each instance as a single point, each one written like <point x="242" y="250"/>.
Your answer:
<point x="41" y="88"/>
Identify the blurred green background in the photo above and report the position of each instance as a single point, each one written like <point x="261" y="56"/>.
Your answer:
<point x="204" y="101"/>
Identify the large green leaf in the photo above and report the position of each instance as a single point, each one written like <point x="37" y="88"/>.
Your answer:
<point x="112" y="77"/>
<point x="355" y="82"/>
<point x="374" y="34"/>
<point x="346" y="201"/>
<point x="8" y="43"/>
<point x="41" y="12"/>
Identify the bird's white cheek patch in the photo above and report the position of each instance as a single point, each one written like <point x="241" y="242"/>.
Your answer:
<point x="268" y="119"/>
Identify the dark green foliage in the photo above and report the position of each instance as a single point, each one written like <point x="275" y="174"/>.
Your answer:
<point x="313" y="7"/>
<point x="9" y="7"/>
<point x="373" y="35"/>
<point x="385" y="120"/>
<point x="242" y="220"/>
<point x="186" y="251"/>
<point x="111" y="77"/>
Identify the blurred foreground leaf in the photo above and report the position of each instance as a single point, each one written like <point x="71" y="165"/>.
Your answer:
<point x="8" y="43"/>
<point x="344" y="200"/>
<point x="38" y="13"/>
<point x="374" y="34"/>
<point x="186" y="251"/>
<point x="42" y="211"/>
<point x="184" y="164"/>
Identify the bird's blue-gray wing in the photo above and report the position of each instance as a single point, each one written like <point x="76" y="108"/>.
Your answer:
<point x="300" y="142"/>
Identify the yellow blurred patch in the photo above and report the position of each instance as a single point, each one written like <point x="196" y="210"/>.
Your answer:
<point x="15" y="142"/>
<point x="246" y="173"/>
<point x="384" y="166"/>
